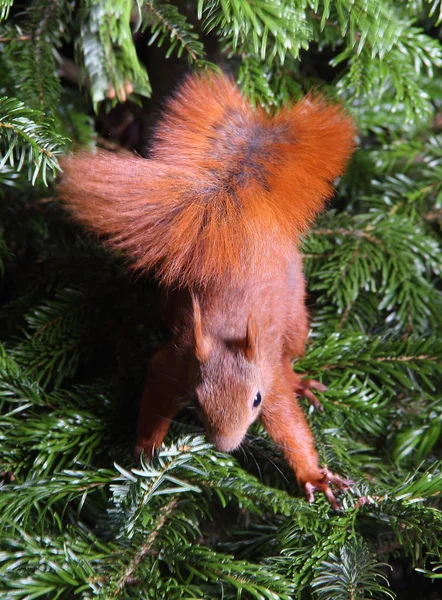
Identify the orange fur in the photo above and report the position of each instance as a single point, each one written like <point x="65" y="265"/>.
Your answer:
<point x="216" y="212"/>
<point x="225" y="182"/>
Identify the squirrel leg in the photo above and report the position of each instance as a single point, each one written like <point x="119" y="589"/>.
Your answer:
<point x="159" y="404"/>
<point x="296" y="333"/>
<point x="286" y="424"/>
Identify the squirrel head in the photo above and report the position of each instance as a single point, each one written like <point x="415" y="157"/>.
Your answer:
<point x="229" y="386"/>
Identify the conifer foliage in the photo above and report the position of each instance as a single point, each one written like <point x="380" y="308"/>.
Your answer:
<point x="78" y="518"/>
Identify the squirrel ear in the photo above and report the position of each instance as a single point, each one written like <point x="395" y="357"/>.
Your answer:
<point x="203" y="343"/>
<point x="251" y="346"/>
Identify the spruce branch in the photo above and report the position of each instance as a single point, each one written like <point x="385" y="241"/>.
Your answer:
<point x="34" y="47"/>
<point x="44" y="22"/>
<point x="189" y="465"/>
<point x="5" y="6"/>
<point x="368" y="257"/>
<point x="25" y="141"/>
<point x="366" y="354"/>
<point x="436" y="10"/>
<point x="394" y="71"/>
<point x="382" y="46"/>
<point x="106" y="48"/>
<point x="60" y="326"/>
<point x="127" y="577"/>
<point x="354" y="574"/>
<point x="48" y="499"/>
<point x="362" y="22"/>
<point x="274" y="29"/>
<point x="253" y="78"/>
<point x="233" y="576"/>
<point x="167" y="23"/>
<point x="53" y="565"/>
<point x="416" y="526"/>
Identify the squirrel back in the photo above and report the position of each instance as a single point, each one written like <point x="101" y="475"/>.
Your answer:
<point x="227" y="186"/>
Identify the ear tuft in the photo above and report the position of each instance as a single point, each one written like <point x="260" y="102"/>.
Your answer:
<point x="251" y="348"/>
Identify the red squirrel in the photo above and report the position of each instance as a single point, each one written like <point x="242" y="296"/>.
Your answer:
<point x="215" y="214"/>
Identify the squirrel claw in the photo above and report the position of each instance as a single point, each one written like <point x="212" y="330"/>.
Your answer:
<point x="137" y="453"/>
<point x="139" y="449"/>
<point x="310" y="490"/>
<point x="312" y="399"/>
<point x="323" y="486"/>
<point x="305" y="387"/>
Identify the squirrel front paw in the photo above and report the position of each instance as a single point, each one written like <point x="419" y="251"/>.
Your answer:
<point x="322" y="483"/>
<point x="141" y="447"/>
<point x="304" y="387"/>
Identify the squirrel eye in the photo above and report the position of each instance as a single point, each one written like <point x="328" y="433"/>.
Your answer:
<point x="257" y="400"/>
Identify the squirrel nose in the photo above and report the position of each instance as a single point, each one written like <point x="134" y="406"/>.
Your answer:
<point x="225" y="443"/>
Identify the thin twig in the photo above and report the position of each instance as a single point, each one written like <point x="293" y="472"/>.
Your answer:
<point x="20" y="38"/>
<point x="126" y="578"/>
<point x="383" y="359"/>
<point x="354" y="233"/>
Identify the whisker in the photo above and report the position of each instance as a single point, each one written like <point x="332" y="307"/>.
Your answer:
<point x="167" y="376"/>
<point x="186" y="397"/>
<point x="255" y="437"/>
<point x="244" y="453"/>
<point x="195" y="427"/>
<point x="250" y="453"/>
<point x="279" y="470"/>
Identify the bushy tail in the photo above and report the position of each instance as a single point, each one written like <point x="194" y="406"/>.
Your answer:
<point x="226" y="188"/>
